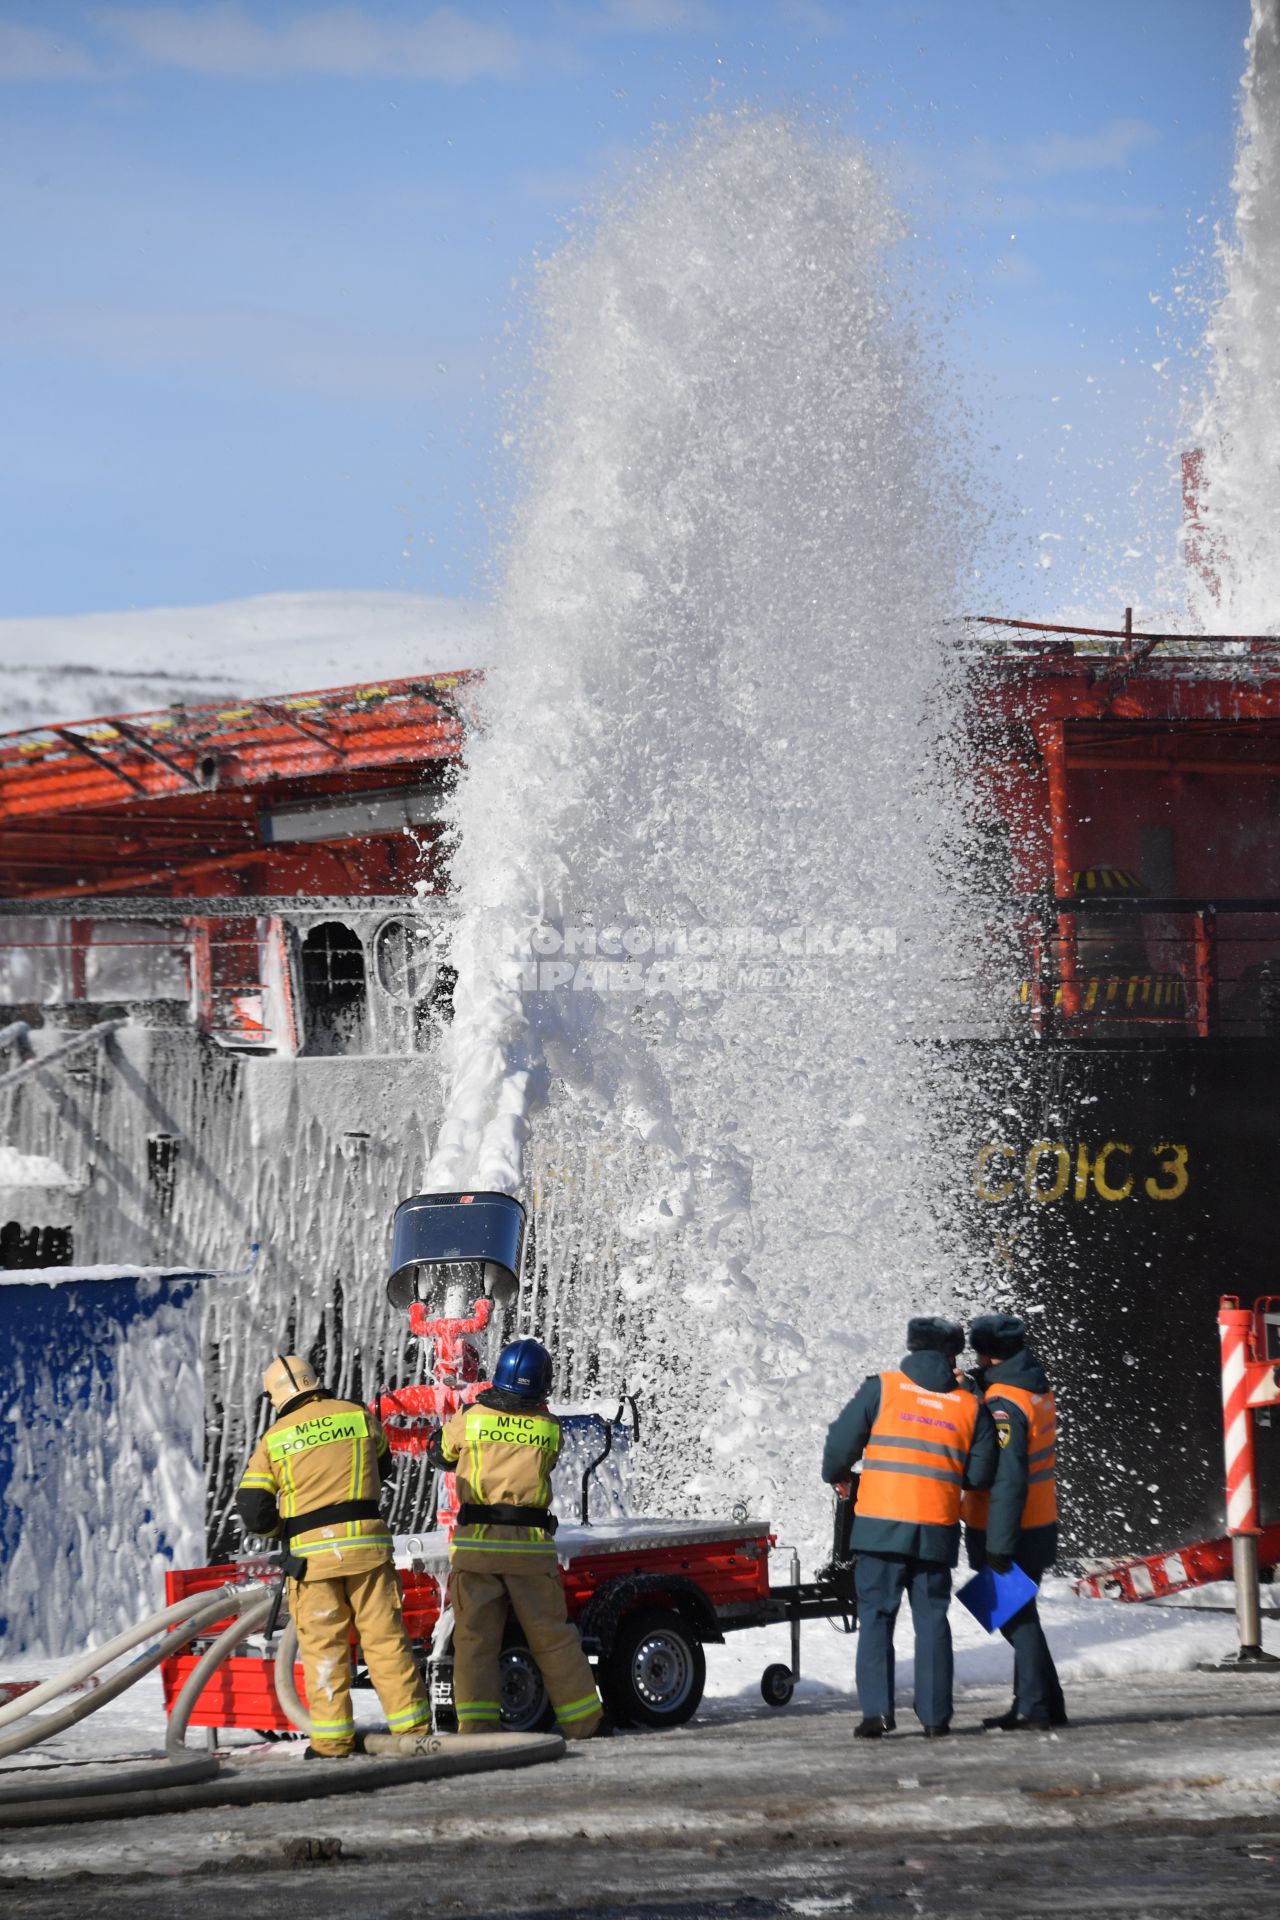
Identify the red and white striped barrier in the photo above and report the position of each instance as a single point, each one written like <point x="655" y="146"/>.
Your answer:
<point x="1235" y="1329"/>
<point x="1250" y="1379"/>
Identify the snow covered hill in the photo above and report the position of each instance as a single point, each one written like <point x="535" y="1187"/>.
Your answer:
<point x="82" y="665"/>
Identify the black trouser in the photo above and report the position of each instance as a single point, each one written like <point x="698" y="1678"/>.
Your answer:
<point x="1037" y="1693"/>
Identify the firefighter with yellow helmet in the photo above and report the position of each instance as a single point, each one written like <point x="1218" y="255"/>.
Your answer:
<point x="502" y="1449"/>
<point x="313" y="1480"/>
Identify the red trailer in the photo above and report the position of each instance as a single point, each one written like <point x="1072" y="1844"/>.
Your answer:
<point x="646" y="1596"/>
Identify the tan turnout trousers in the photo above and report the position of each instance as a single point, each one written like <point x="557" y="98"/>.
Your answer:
<point x="536" y="1597"/>
<point x="325" y="1611"/>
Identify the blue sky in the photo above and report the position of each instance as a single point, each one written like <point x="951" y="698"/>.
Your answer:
<point x="258" y="260"/>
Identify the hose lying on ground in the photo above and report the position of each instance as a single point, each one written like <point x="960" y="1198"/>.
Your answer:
<point x="215" y="1606"/>
<point x="455" y="1753"/>
<point x="181" y="1781"/>
<point x="89" y="1663"/>
<point x="42" y="1785"/>
<point x="250" y="1615"/>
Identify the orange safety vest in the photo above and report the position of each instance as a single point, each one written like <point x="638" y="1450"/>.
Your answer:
<point x="1040" y="1509"/>
<point x="914" y="1461"/>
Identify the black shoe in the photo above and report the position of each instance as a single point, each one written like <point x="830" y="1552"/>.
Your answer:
<point x="874" y="1726"/>
<point x="1015" y="1722"/>
<point x="1059" y="1719"/>
<point x="936" y="1733"/>
<point x="314" y="1753"/>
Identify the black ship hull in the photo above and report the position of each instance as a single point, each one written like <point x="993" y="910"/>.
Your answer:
<point x="1127" y="1187"/>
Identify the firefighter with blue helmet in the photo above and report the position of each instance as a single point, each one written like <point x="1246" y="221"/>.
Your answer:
<point x="1018" y="1519"/>
<point x="502" y="1450"/>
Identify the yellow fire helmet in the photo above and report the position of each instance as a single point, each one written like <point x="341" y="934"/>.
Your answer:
<point x="288" y="1376"/>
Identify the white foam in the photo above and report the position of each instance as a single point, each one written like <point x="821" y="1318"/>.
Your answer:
<point x="716" y="705"/>
<point x="1239" y="426"/>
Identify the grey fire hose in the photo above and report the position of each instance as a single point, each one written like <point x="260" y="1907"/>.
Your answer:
<point x="89" y="1663"/>
<point x="286" y="1692"/>
<point x="250" y="1614"/>
<point x="186" y="1620"/>
<point x="183" y="1781"/>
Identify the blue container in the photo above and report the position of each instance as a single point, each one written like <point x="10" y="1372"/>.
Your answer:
<point x="992" y="1598"/>
<point x="481" y="1230"/>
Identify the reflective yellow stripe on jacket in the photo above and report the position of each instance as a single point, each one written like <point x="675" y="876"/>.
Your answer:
<point x="503" y="1459"/>
<point x="322" y="1456"/>
<point x="914" y="1461"/>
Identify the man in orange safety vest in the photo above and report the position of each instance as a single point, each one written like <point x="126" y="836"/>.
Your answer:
<point x="922" y="1436"/>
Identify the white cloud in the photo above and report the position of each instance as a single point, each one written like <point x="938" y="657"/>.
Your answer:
<point x="986" y="185"/>
<point x="821" y="21"/>
<point x="62" y="667"/>
<point x="657" y="16"/>
<point x="247" y="346"/>
<point x="1021" y="208"/>
<point x="227" y="40"/>
<point x="36" y="53"/>
<point x="1111" y="146"/>
<point x="1014" y="270"/>
<point x="555" y="186"/>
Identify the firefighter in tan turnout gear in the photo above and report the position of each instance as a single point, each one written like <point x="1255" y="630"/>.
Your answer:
<point x="502" y="1448"/>
<point x="314" y="1480"/>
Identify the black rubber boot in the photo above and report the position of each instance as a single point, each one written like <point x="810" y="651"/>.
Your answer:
<point x="314" y="1753"/>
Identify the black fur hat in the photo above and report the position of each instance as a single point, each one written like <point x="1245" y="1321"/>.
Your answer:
<point x="999" y="1334"/>
<point x="928" y="1334"/>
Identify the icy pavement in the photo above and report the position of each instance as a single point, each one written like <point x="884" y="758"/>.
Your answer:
<point x="1163" y="1796"/>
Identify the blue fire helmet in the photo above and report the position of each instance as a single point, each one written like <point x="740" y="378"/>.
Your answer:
<point x="524" y="1368"/>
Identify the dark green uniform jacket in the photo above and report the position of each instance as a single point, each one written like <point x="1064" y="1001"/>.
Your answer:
<point x="848" y="1435"/>
<point x="1034" y="1548"/>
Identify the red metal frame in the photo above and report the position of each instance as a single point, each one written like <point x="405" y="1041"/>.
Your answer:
<point x="242" y="1693"/>
<point x="172" y="801"/>
<point x="1089" y="735"/>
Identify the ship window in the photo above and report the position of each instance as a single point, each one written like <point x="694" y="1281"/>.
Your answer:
<point x="24" y="1248"/>
<point x="333" y="966"/>
<point x="162" y="1169"/>
<point x="334" y="988"/>
<point x="406" y="958"/>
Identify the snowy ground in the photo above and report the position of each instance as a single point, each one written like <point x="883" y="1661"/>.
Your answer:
<point x="78" y="666"/>
<point x="1093" y="1640"/>
<point x="1162" y="1794"/>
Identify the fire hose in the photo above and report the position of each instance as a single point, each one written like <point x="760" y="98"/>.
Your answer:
<point x="178" y="1624"/>
<point x="183" y="1781"/>
<point x="36" y="1800"/>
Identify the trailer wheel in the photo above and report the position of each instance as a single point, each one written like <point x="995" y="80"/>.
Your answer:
<point x="522" y="1696"/>
<point x="655" y="1675"/>
<point x="777" y="1684"/>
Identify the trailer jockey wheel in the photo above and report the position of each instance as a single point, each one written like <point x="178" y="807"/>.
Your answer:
<point x="777" y="1684"/>
<point x="521" y="1693"/>
<point x="657" y="1670"/>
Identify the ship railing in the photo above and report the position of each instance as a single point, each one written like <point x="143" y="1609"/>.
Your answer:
<point x="1124" y="965"/>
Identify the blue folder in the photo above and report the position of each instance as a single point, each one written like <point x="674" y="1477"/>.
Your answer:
<point x="992" y="1598"/>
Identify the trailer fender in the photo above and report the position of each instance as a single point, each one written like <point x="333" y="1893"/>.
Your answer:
<point x="604" y="1612"/>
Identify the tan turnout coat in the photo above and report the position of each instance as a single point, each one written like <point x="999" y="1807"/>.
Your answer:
<point x="320" y="1453"/>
